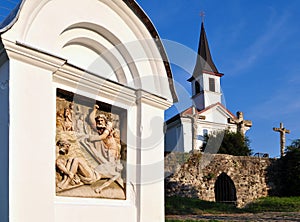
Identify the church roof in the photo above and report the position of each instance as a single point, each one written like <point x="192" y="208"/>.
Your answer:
<point x="189" y="111"/>
<point x="204" y="62"/>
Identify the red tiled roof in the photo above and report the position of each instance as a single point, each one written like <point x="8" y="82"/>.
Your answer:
<point x="189" y="111"/>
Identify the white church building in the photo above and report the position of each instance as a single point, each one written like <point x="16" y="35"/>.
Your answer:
<point x="207" y="114"/>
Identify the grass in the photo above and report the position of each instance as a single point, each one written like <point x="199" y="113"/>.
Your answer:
<point x="274" y="204"/>
<point x="184" y="206"/>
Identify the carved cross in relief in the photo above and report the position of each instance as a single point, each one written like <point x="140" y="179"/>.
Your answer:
<point x="282" y="132"/>
<point x="240" y="122"/>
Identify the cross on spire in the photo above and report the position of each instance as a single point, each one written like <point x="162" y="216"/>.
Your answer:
<point x="282" y="132"/>
<point x="240" y="122"/>
<point x="202" y="14"/>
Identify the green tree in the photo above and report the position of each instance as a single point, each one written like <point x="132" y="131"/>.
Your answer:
<point x="289" y="170"/>
<point x="232" y="143"/>
<point x="295" y="145"/>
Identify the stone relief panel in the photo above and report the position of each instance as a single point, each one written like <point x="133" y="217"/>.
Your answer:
<point x="90" y="148"/>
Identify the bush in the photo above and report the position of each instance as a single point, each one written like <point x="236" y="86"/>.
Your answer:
<point x="289" y="171"/>
<point x="233" y="143"/>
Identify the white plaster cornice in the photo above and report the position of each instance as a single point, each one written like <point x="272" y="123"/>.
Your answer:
<point x="153" y="100"/>
<point x="33" y="56"/>
<point x="88" y="82"/>
<point x="77" y="78"/>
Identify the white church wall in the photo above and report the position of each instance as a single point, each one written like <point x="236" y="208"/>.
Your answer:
<point x="216" y="115"/>
<point x="187" y="134"/>
<point x="4" y="137"/>
<point x="206" y="78"/>
<point x="170" y="145"/>
<point x="211" y="98"/>
<point x="216" y="119"/>
<point x="174" y="140"/>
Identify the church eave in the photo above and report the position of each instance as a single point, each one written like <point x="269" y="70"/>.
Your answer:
<point x="206" y="72"/>
<point x="217" y="104"/>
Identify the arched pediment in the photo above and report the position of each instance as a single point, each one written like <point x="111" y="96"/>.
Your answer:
<point x="113" y="38"/>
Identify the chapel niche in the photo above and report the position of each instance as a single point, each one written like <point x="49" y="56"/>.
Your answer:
<point x="90" y="148"/>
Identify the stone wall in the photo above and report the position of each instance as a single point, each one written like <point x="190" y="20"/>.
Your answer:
<point x="196" y="177"/>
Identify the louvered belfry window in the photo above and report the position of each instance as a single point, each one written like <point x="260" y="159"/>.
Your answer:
<point x="212" y="86"/>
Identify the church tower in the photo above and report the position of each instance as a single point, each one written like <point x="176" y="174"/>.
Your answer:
<point x="206" y="87"/>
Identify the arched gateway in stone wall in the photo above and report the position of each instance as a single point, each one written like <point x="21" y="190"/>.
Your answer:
<point x="225" y="190"/>
<point x="218" y="177"/>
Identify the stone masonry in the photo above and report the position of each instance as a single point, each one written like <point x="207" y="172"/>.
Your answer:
<point x="196" y="177"/>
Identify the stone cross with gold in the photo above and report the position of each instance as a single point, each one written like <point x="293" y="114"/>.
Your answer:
<point x="240" y="122"/>
<point x="282" y="132"/>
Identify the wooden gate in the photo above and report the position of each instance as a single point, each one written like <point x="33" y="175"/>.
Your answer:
<point x="224" y="189"/>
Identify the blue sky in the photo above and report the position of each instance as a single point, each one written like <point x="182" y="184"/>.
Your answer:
<point x="256" y="44"/>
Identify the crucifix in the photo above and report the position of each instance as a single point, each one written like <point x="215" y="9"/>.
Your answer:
<point x="240" y="122"/>
<point x="194" y="117"/>
<point x="282" y="132"/>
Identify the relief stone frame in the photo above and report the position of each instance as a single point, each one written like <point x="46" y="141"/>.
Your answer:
<point x="91" y="149"/>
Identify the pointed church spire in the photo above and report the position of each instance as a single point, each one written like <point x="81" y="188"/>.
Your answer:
<point x="204" y="51"/>
<point x="206" y="85"/>
<point x="204" y="59"/>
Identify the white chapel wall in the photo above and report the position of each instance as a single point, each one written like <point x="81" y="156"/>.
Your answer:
<point x="32" y="138"/>
<point x="43" y="60"/>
